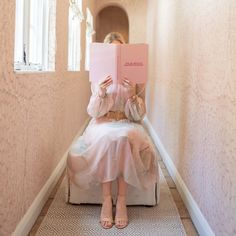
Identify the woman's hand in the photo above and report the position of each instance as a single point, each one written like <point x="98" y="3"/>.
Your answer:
<point x="127" y="83"/>
<point x="103" y="86"/>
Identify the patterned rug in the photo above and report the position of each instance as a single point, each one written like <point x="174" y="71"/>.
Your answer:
<point x="66" y="219"/>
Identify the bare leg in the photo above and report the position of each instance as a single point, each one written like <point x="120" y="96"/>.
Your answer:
<point x="106" y="212"/>
<point x="121" y="219"/>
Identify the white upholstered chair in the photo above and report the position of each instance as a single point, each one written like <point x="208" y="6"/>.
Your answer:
<point x="76" y="195"/>
<point x="149" y="197"/>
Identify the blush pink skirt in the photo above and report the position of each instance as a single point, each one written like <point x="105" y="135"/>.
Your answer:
<point x="109" y="149"/>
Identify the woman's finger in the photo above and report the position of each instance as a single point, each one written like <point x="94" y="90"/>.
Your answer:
<point x="105" y="80"/>
<point x="126" y="82"/>
<point x="106" y="84"/>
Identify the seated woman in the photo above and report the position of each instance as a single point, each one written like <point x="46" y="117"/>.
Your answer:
<point x="114" y="145"/>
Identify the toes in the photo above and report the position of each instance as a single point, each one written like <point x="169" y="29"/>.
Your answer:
<point x="121" y="223"/>
<point x="109" y="224"/>
<point x="106" y="224"/>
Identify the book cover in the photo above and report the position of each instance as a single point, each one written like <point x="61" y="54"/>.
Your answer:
<point x="118" y="60"/>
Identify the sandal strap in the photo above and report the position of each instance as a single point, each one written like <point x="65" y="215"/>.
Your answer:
<point x="107" y="219"/>
<point x="121" y="226"/>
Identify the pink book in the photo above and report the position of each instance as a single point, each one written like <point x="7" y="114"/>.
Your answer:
<point x="118" y="60"/>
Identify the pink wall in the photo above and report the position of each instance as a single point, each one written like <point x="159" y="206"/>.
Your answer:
<point x="40" y="114"/>
<point x="192" y="99"/>
<point x="191" y="104"/>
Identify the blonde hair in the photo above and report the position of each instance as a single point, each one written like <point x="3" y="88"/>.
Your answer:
<point x="114" y="36"/>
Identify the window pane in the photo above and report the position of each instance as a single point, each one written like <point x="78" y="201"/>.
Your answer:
<point x="74" y="38"/>
<point x="36" y="32"/>
<point x="50" y="38"/>
<point x="89" y="36"/>
<point x="19" y="50"/>
<point x="35" y="35"/>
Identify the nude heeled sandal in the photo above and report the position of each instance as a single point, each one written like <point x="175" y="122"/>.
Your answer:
<point x="118" y="219"/>
<point x="121" y="219"/>
<point x="107" y="219"/>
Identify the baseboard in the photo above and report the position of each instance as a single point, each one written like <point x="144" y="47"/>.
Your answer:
<point x="197" y="217"/>
<point x="28" y="220"/>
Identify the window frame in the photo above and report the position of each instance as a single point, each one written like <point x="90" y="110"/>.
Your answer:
<point x="75" y="18"/>
<point x="89" y="37"/>
<point x="28" y="56"/>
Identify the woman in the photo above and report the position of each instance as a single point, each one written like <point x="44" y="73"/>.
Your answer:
<point x="114" y="146"/>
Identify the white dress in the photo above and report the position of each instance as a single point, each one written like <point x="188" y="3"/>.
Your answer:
<point x="109" y="147"/>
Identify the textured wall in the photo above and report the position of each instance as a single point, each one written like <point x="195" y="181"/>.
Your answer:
<point x="40" y="114"/>
<point x="192" y="99"/>
<point x="136" y="11"/>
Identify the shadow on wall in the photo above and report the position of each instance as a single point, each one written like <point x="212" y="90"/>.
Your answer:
<point x="112" y="18"/>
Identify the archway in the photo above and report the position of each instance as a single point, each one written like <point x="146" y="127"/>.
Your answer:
<point x="111" y="18"/>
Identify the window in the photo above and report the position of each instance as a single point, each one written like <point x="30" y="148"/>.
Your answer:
<point x="35" y="35"/>
<point x="89" y="36"/>
<point x="74" y="42"/>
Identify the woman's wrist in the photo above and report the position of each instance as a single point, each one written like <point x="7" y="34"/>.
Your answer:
<point x="102" y="95"/>
<point x="133" y="98"/>
<point x="102" y="92"/>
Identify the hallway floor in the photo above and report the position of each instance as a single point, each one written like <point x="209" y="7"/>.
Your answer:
<point x="183" y="212"/>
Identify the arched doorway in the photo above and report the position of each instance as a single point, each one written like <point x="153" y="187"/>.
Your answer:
<point x="111" y="18"/>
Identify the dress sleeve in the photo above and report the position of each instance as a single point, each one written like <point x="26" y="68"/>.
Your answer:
<point x="135" y="108"/>
<point x="99" y="106"/>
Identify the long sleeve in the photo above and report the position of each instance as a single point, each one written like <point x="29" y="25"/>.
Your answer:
<point x="135" y="109"/>
<point x="99" y="106"/>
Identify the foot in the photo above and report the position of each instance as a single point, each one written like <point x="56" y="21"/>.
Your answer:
<point x="106" y="213"/>
<point x="121" y="218"/>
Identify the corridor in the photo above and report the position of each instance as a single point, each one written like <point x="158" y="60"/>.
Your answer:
<point x="190" y="112"/>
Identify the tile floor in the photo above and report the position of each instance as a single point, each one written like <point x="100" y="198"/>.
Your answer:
<point x="183" y="212"/>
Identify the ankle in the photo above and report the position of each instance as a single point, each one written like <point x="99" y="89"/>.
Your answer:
<point x="121" y="197"/>
<point x="106" y="197"/>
